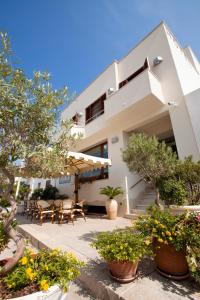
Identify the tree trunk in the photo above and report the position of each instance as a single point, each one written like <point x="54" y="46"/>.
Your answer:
<point x="161" y="206"/>
<point x="9" y="230"/>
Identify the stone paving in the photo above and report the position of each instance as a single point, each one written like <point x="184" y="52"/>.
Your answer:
<point x="149" y="285"/>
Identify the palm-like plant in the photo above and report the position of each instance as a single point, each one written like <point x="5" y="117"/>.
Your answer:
<point x="111" y="192"/>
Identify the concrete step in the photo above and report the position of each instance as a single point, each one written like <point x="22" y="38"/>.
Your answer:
<point x="78" y="292"/>
<point x="146" y="201"/>
<point x="138" y="211"/>
<point x="149" y="196"/>
<point x="142" y="206"/>
<point x="131" y="216"/>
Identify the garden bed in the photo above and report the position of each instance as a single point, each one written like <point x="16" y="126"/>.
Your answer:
<point x="6" y="294"/>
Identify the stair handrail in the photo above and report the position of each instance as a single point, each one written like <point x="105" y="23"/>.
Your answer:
<point x="141" y="179"/>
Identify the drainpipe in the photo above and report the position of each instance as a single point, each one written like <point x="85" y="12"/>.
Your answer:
<point x="127" y="196"/>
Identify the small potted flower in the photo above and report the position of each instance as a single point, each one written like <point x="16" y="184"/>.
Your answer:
<point x="45" y="274"/>
<point x="111" y="203"/>
<point x="175" y="240"/>
<point x="122" y="250"/>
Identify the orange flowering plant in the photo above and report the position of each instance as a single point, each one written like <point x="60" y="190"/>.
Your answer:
<point x="44" y="269"/>
<point x="181" y="231"/>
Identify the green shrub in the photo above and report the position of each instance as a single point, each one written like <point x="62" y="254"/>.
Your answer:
<point x="172" y="191"/>
<point x="150" y="158"/>
<point x="121" y="245"/>
<point x="4" y="202"/>
<point x="50" y="192"/>
<point x="38" y="193"/>
<point x="189" y="172"/>
<point x="3" y="237"/>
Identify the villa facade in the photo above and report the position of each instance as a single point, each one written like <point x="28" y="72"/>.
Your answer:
<point x="154" y="89"/>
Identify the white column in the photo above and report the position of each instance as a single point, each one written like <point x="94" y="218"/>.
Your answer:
<point x="18" y="186"/>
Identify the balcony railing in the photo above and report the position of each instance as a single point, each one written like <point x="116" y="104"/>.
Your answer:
<point x="95" y="116"/>
<point x="78" y="130"/>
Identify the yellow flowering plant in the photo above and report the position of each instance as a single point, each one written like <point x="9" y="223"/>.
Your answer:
<point x="121" y="245"/>
<point x="181" y="231"/>
<point x="44" y="269"/>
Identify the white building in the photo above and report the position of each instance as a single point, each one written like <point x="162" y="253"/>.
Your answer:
<point x="154" y="89"/>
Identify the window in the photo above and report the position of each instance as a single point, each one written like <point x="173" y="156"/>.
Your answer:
<point x="39" y="185"/>
<point x="99" y="151"/>
<point x="65" y="179"/>
<point x="95" y="109"/>
<point x="140" y="70"/>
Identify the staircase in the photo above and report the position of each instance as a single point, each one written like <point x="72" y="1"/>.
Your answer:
<point x="146" y="199"/>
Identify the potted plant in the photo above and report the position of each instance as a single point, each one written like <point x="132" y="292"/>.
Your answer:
<point x="175" y="241"/>
<point x="122" y="250"/>
<point x="45" y="274"/>
<point x="111" y="203"/>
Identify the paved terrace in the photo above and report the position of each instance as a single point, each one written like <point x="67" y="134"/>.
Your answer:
<point x="148" y="285"/>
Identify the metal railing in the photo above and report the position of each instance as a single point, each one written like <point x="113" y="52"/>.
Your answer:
<point x="137" y="182"/>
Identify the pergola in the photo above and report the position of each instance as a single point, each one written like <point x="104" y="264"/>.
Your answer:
<point x="78" y="163"/>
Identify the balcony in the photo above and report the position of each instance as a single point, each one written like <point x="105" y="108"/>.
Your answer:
<point x="138" y="93"/>
<point x="78" y="131"/>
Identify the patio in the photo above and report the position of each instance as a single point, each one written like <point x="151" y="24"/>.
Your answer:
<point x="149" y="285"/>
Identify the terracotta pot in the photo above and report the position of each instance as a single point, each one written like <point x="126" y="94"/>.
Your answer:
<point x="124" y="271"/>
<point x="178" y="210"/>
<point x="169" y="262"/>
<point x="111" y="208"/>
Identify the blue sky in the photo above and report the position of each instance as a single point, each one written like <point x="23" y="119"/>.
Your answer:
<point x="76" y="39"/>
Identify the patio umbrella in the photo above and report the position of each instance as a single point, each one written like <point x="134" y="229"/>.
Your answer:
<point x="78" y="163"/>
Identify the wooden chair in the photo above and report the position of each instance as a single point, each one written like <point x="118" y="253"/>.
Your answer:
<point x="79" y="208"/>
<point x="44" y="210"/>
<point x="66" y="210"/>
<point x="57" y="207"/>
<point x="26" y="208"/>
<point x="31" y="209"/>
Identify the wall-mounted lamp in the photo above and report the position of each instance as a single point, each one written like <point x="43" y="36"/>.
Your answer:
<point x="114" y="139"/>
<point x="80" y="114"/>
<point x="157" y="60"/>
<point x="110" y="91"/>
<point x="172" y="103"/>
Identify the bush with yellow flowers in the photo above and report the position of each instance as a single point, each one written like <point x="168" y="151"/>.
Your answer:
<point x="181" y="231"/>
<point x="121" y="245"/>
<point x="44" y="269"/>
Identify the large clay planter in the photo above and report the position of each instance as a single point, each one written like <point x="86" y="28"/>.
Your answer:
<point x="111" y="208"/>
<point x="169" y="262"/>
<point x="123" y="272"/>
<point x="178" y="210"/>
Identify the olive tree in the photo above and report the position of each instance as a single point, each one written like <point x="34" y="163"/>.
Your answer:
<point x="150" y="158"/>
<point x="29" y="146"/>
